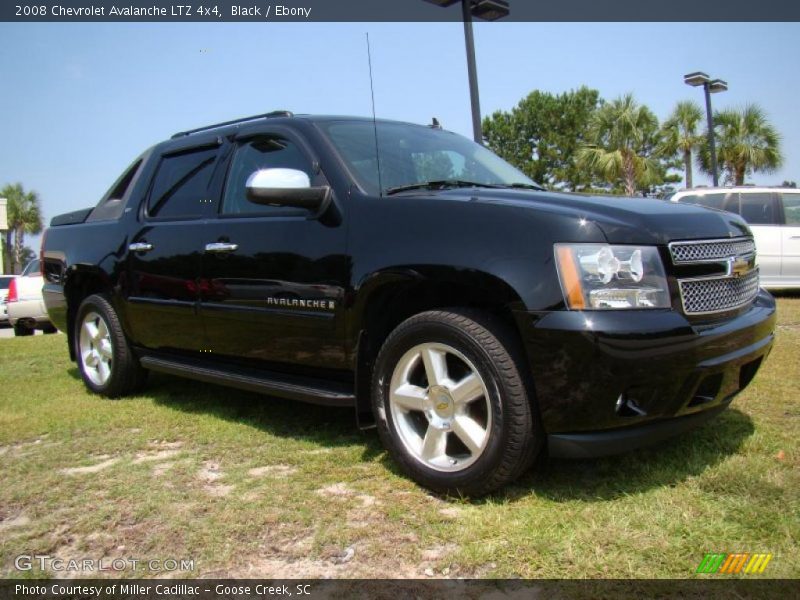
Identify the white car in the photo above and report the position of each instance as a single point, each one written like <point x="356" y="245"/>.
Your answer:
<point x="25" y="304"/>
<point x="773" y="214"/>
<point x="5" y="281"/>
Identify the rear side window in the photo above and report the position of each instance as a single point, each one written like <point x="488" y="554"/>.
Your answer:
<point x="261" y="153"/>
<point x="5" y="282"/>
<point x="758" y="209"/>
<point x="791" y="208"/>
<point x="180" y="186"/>
<point x="112" y="205"/>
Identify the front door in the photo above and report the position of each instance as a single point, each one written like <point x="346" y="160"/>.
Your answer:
<point x="273" y="278"/>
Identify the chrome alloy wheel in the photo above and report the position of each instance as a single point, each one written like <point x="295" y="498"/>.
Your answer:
<point x="96" y="350"/>
<point x="440" y="407"/>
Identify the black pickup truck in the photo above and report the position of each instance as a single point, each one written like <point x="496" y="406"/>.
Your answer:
<point x="406" y="272"/>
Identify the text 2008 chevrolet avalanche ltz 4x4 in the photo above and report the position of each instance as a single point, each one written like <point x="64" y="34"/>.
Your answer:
<point x="406" y="272"/>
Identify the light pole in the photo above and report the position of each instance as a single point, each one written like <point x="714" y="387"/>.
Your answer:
<point x="488" y="10"/>
<point x="710" y="86"/>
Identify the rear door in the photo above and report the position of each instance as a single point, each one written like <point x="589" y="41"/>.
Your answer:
<point x="165" y="251"/>
<point x="761" y="211"/>
<point x="273" y="293"/>
<point x="790" y="264"/>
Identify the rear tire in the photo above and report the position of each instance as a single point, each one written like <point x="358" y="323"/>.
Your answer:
<point x="105" y="358"/>
<point x="451" y="402"/>
<point x="47" y="329"/>
<point x="21" y="330"/>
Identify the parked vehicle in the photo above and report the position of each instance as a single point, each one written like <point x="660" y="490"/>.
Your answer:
<point x="26" y="308"/>
<point x="773" y="214"/>
<point x="413" y="275"/>
<point x="5" y="281"/>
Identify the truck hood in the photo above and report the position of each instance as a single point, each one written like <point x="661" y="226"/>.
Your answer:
<point x="622" y="220"/>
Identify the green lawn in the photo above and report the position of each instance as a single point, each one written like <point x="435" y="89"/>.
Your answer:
<point x="258" y="487"/>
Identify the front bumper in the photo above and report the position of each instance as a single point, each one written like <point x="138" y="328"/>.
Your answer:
<point x="610" y="381"/>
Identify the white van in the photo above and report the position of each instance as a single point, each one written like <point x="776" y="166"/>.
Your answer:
<point x="774" y="216"/>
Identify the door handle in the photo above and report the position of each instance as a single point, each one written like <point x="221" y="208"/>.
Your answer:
<point x="140" y="247"/>
<point x="219" y="247"/>
<point x="795" y="237"/>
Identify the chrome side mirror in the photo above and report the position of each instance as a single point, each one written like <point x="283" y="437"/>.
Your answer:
<point x="286" y="187"/>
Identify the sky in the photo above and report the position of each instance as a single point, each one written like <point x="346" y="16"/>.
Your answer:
<point x="79" y="101"/>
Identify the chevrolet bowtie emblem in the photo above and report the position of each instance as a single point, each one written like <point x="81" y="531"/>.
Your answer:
<point x="736" y="266"/>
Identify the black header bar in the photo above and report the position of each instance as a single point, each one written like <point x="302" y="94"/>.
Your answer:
<point x="265" y="11"/>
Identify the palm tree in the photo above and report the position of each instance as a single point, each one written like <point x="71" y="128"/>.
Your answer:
<point x="681" y="136"/>
<point x="746" y="142"/>
<point x="24" y="216"/>
<point x="621" y="134"/>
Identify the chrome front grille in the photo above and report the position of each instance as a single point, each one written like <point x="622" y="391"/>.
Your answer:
<point x="718" y="294"/>
<point x="710" y="250"/>
<point x="734" y="286"/>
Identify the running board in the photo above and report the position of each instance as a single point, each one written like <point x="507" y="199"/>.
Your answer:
<point x="313" y="391"/>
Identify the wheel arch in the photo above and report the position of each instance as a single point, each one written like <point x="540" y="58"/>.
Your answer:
<point x="81" y="282"/>
<point x="388" y="298"/>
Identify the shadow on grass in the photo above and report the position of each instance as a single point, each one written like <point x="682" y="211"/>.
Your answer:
<point x="323" y="426"/>
<point x="589" y="480"/>
<point x="665" y="464"/>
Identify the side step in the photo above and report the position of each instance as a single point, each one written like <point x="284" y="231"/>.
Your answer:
<point x="314" y="391"/>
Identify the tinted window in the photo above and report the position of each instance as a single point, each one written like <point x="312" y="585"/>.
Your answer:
<point x="791" y="208"/>
<point x="5" y="282"/>
<point x="32" y="268"/>
<point x="758" y="209"/>
<point x="180" y="186"/>
<point x="720" y="201"/>
<point x="262" y="153"/>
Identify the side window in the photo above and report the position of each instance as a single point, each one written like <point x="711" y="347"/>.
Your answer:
<point x="180" y="186"/>
<point x="758" y="209"/>
<point x="261" y="153"/>
<point x="791" y="208"/>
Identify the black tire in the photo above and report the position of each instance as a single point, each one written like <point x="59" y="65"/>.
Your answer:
<point x="126" y="374"/>
<point x="513" y="436"/>
<point x="48" y="329"/>
<point x="21" y="330"/>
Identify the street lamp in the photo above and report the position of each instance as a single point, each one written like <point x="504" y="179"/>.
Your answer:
<point x="710" y="86"/>
<point x="488" y="10"/>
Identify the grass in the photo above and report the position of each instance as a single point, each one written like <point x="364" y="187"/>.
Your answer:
<point x="252" y="486"/>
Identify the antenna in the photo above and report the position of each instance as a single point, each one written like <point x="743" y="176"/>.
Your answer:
<point x="374" y="121"/>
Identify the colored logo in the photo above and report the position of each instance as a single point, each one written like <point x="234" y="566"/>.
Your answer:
<point x="733" y="564"/>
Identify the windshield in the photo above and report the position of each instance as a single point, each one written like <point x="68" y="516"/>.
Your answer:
<point x="413" y="155"/>
<point x="32" y="268"/>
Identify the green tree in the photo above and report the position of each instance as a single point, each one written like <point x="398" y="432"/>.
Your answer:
<point x="680" y="135"/>
<point x="24" y="216"/>
<point x="623" y="142"/>
<point x="746" y="143"/>
<point x="542" y="135"/>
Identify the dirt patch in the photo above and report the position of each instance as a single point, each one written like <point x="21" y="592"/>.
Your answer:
<point x="451" y="512"/>
<point x="210" y="475"/>
<point x="15" y="522"/>
<point x="335" y="490"/>
<point x="162" y="468"/>
<point x="96" y="468"/>
<point x="142" y="457"/>
<point x="164" y="444"/>
<point x="272" y="471"/>
<point x="367" y="500"/>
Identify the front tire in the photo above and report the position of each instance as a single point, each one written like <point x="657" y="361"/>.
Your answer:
<point x="106" y="361"/>
<point x="451" y="404"/>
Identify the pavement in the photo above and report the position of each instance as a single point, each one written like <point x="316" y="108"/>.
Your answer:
<point x="7" y="332"/>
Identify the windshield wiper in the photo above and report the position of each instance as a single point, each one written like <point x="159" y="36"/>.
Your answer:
<point x="526" y="186"/>
<point x="438" y="185"/>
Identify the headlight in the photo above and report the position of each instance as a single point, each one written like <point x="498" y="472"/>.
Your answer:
<point x="600" y="277"/>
